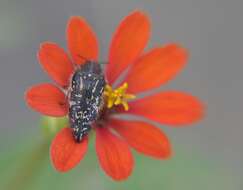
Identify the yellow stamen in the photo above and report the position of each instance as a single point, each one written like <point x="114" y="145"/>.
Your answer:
<point x="118" y="96"/>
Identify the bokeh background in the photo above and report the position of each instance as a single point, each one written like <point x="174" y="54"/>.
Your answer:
<point x="208" y="155"/>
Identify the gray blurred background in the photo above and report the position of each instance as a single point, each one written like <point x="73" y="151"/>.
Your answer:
<point x="212" y="30"/>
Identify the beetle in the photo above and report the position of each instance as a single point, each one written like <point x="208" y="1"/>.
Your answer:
<point x="85" y="97"/>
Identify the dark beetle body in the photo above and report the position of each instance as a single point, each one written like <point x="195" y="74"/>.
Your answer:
<point x="85" y="98"/>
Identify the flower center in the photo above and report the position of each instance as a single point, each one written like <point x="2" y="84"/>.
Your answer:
<point x="117" y="96"/>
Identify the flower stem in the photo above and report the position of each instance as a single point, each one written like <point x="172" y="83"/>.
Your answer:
<point x="31" y="164"/>
<point x="30" y="167"/>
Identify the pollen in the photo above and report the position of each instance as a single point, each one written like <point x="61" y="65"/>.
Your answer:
<point x="118" y="96"/>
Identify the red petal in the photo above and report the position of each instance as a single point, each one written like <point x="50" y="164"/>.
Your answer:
<point x="114" y="155"/>
<point x="143" y="137"/>
<point x="172" y="108"/>
<point x="47" y="99"/>
<point x="55" y="62"/>
<point x="82" y="42"/>
<point x="127" y="43"/>
<point x="65" y="152"/>
<point x="156" y="67"/>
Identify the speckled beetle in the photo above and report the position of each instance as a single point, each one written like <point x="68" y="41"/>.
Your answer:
<point x="85" y="98"/>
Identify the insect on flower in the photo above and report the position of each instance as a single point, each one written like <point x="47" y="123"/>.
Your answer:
<point x="85" y="100"/>
<point x="87" y="95"/>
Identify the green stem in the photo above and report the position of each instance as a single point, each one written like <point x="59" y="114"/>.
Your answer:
<point x="30" y="167"/>
<point x="32" y="164"/>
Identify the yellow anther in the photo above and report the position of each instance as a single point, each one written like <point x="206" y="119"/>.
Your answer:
<point x="118" y="96"/>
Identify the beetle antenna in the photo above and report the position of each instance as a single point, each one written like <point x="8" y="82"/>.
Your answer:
<point x="82" y="57"/>
<point x="86" y="59"/>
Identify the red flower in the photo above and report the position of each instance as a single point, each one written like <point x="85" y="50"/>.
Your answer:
<point x="147" y="71"/>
